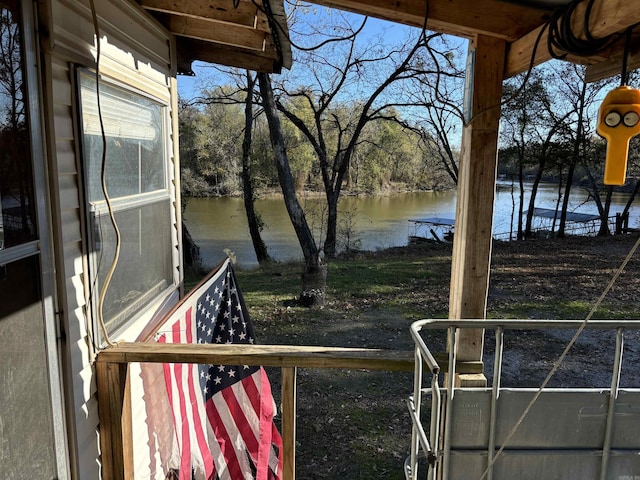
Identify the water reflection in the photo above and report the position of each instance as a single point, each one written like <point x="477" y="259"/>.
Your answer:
<point x="377" y="222"/>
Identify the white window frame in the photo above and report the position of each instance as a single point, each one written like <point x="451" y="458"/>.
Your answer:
<point x="122" y="320"/>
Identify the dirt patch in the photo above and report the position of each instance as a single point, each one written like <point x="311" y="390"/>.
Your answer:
<point x="355" y="425"/>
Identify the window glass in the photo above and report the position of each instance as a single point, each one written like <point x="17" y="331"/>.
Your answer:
<point x="135" y="177"/>
<point x="17" y="209"/>
<point x="133" y="127"/>
<point x="144" y="268"/>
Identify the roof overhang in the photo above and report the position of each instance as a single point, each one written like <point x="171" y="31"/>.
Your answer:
<point x="235" y="33"/>
<point x="518" y="22"/>
<point x="253" y="34"/>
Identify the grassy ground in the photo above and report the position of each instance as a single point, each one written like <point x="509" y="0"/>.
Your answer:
<point x="354" y="424"/>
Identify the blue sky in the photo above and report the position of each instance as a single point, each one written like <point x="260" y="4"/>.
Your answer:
<point x="392" y="33"/>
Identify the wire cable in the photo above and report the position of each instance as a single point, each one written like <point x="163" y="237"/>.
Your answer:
<point x="116" y="255"/>
<point x="624" y="74"/>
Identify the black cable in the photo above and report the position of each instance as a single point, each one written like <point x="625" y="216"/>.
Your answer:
<point x="625" y="56"/>
<point x="562" y="38"/>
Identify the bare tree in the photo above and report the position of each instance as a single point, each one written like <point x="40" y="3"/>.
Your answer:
<point x="253" y="218"/>
<point x="315" y="274"/>
<point x="346" y="67"/>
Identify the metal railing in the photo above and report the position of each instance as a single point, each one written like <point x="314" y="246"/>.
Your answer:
<point x="437" y="447"/>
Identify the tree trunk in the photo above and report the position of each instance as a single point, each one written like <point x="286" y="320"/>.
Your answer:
<point x="534" y="192"/>
<point x="314" y="274"/>
<point x="191" y="253"/>
<point x="253" y="219"/>
<point x="604" y="216"/>
<point x="520" y="199"/>
<point x="332" y="226"/>
<point x="627" y="207"/>
<point x="574" y="161"/>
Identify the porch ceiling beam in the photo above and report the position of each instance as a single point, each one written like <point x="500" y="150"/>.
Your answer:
<point x="227" y="35"/>
<point x="192" y="49"/>
<point x="465" y="18"/>
<point x="611" y="16"/>
<point x="246" y="14"/>
<point x="613" y="65"/>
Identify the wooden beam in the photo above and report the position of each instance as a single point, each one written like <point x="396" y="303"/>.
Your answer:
<point x="476" y="191"/>
<point x="190" y="49"/>
<point x="608" y="17"/>
<point x="246" y="14"/>
<point x="265" y="355"/>
<point x="114" y="400"/>
<point x="465" y="18"/>
<point x="225" y="35"/>
<point x="289" y="408"/>
<point x="613" y="65"/>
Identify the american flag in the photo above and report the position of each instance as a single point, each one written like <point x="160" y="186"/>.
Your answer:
<point x="223" y="414"/>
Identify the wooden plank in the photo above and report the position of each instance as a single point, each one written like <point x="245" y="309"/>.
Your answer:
<point x="610" y="16"/>
<point x="465" y="18"/>
<point x="467" y="368"/>
<point x="115" y="421"/>
<point x="265" y="355"/>
<point x="190" y="49"/>
<point x="613" y="65"/>
<point x="246" y="13"/>
<point x="227" y="35"/>
<point x="289" y="407"/>
<point x="476" y="192"/>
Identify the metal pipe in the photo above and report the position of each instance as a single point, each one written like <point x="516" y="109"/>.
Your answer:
<point x="436" y="408"/>
<point x="497" y="373"/>
<point x="451" y="377"/>
<point x="613" y="396"/>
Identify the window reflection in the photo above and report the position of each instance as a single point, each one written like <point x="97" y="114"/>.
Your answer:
<point x="17" y="219"/>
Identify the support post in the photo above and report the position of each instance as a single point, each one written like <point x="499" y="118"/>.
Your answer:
<point x="289" y="423"/>
<point x="476" y="193"/>
<point x="114" y="399"/>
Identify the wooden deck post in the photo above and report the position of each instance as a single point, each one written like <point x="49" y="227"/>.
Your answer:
<point x="114" y="400"/>
<point x="476" y="191"/>
<point x="289" y="423"/>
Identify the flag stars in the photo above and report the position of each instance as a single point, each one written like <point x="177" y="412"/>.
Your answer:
<point x="232" y="373"/>
<point x="217" y="380"/>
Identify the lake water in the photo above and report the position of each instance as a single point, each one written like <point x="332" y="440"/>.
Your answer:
<point x="377" y="222"/>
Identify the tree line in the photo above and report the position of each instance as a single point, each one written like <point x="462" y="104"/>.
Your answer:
<point x="360" y="114"/>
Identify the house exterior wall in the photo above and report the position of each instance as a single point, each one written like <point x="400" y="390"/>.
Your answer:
<point x="136" y="52"/>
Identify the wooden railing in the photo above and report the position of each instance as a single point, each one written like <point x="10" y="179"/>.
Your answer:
<point x="114" y="400"/>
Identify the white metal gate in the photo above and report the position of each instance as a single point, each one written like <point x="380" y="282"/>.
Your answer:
<point x="500" y="433"/>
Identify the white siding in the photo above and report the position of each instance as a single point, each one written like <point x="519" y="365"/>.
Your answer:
<point x="135" y="51"/>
